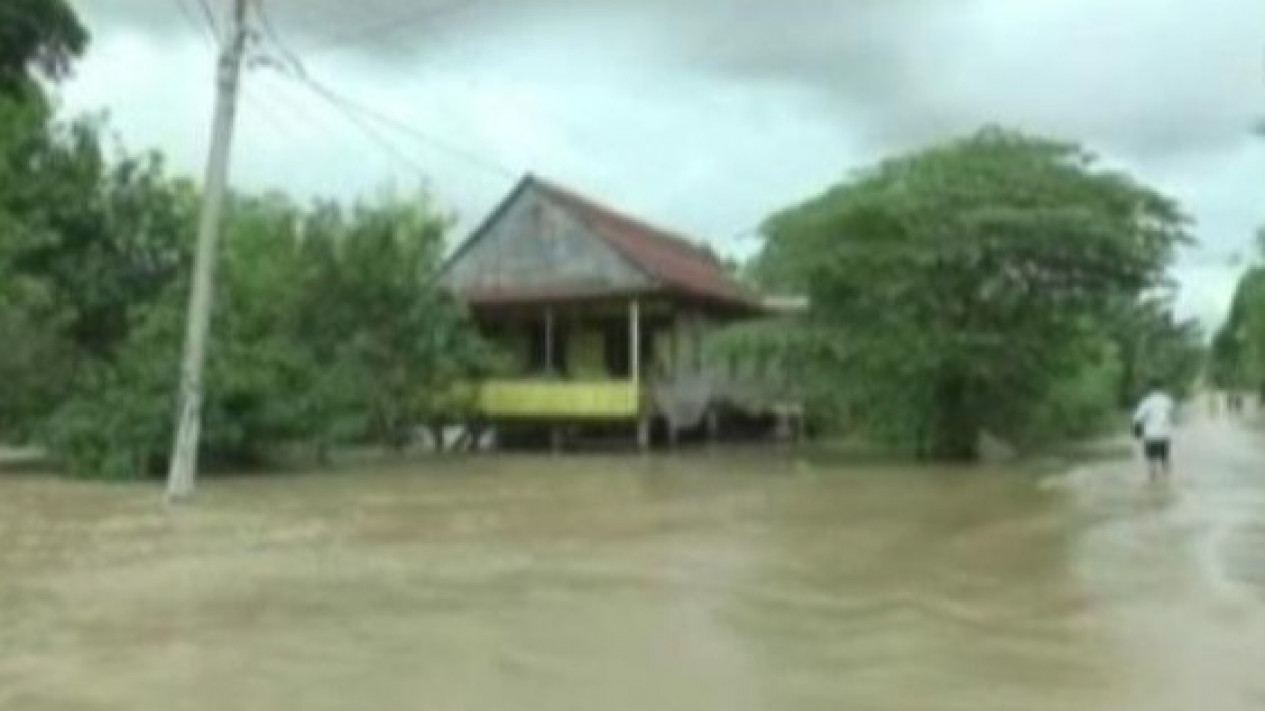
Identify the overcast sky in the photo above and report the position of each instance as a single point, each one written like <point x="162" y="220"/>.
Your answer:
<point x="704" y="115"/>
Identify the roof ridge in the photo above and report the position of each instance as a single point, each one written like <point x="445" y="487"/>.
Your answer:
<point x="667" y="236"/>
<point x="667" y="258"/>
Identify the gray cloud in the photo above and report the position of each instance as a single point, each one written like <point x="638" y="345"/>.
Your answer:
<point x="1147" y="77"/>
<point x="709" y="114"/>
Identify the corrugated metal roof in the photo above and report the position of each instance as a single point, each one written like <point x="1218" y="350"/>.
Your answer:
<point x="669" y="259"/>
<point x="671" y="263"/>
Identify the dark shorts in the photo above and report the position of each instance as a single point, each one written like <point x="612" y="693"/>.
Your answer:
<point x="1157" y="451"/>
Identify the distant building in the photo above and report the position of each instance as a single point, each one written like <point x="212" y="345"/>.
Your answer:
<point x="603" y="314"/>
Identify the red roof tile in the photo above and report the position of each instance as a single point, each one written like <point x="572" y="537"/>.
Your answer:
<point x="667" y="258"/>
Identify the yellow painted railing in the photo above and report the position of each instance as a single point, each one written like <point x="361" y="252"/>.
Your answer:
<point x="526" y="399"/>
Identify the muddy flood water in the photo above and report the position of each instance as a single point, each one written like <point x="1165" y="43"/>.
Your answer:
<point x="709" y="581"/>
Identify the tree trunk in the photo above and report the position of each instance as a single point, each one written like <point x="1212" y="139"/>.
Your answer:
<point x="475" y="431"/>
<point x="437" y="437"/>
<point x="398" y="437"/>
<point x="1128" y="378"/>
<point x="954" y="435"/>
<point x="922" y="449"/>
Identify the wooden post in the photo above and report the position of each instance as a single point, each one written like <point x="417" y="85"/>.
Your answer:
<point x="555" y="432"/>
<point x="634" y="325"/>
<point x="643" y="433"/>
<point x="634" y="364"/>
<point x="549" y="354"/>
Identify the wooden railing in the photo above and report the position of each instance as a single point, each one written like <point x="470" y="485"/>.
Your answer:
<point x="548" y="399"/>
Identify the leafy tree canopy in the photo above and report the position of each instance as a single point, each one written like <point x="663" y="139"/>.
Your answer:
<point x="38" y="39"/>
<point x="963" y="281"/>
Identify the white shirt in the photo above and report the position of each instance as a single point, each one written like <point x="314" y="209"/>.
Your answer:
<point x="1155" y="416"/>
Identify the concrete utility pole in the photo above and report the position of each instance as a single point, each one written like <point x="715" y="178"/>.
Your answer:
<point x="184" y="454"/>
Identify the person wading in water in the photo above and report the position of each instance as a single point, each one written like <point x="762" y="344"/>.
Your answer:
<point x="1153" y="426"/>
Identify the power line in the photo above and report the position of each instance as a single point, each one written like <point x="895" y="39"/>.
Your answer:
<point x="459" y="152"/>
<point x="282" y="121"/>
<point x="569" y="131"/>
<point x="296" y="112"/>
<point x="329" y="41"/>
<point x="275" y="118"/>
<point x="360" y="111"/>
<point x="209" y="16"/>
<point x="390" y="43"/>
<point x="290" y="57"/>
<point x="297" y="66"/>
<point x="292" y="65"/>
<point x="265" y="110"/>
<point x="368" y="129"/>
<point x="199" y="25"/>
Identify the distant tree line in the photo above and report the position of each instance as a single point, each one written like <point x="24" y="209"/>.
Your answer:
<point x="1238" y="348"/>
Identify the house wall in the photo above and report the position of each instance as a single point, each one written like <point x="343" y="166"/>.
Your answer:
<point x="689" y="330"/>
<point x="534" y="246"/>
<point x="591" y="340"/>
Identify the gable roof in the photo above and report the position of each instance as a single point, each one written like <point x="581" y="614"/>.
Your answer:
<point x="670" y="261"/>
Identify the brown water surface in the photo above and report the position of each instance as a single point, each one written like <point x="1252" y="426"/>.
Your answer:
<point x="725" y="581"/>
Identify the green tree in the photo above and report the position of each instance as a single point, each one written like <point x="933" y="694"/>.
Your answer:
<point x="86" y="241"/>
<point x="963" y="282"/>
<point x="329" y="330"/>
<point x="376" y="318"/>
<point x="1237" y="358"/>
<point x="1151" y="343"/>
<point x="38" y="38"/>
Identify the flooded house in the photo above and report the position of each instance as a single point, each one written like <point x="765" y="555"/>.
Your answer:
<point x="603" y="315"/>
